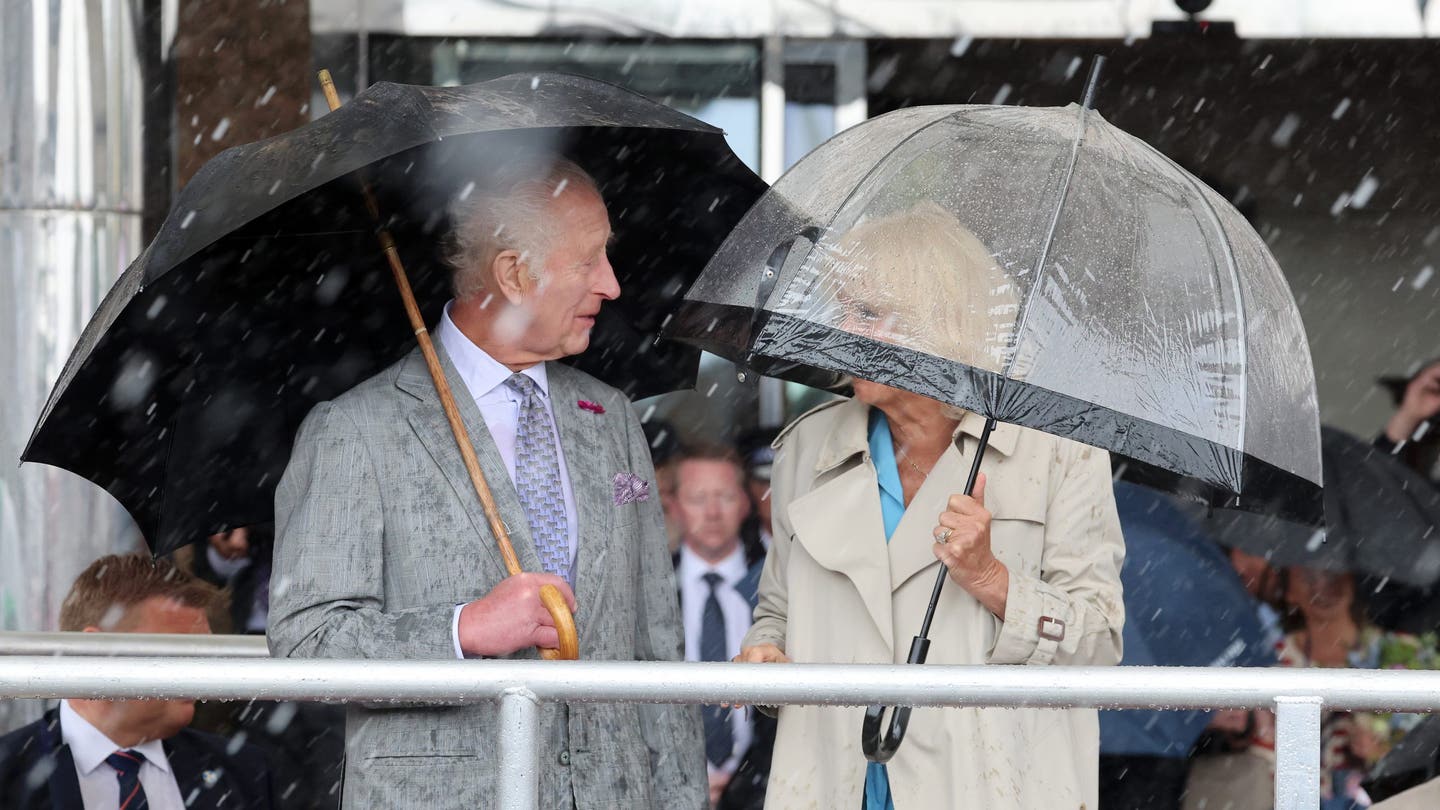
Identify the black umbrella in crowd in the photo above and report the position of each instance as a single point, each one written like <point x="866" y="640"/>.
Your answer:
<point x="1040" y="267"/>
<point x="1413" y="761"/>
<point x="1382" y="519"/>
<point x="264" y="291"/>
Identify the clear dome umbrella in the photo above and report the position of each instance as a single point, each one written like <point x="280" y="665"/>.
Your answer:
<point x="1037" y="266"/>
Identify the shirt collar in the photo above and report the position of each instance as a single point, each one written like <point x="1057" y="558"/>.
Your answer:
<point x="851" y="434"/>
<point x="89" y="746"/>
<point x="732" y="568"/>
<point x="480" y="372"/>
<point x="882" y="455"/>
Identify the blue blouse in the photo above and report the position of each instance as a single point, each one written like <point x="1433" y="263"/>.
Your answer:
<point x="892" y="508"/>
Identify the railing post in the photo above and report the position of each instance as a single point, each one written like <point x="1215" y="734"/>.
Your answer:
<point x="519" y="750"/>
<point x="1297" y="753"/>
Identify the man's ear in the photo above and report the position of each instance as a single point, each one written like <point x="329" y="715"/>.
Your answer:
<point x="511" y="273"/>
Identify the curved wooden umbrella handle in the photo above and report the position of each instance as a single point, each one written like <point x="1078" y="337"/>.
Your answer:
<point x="549" y="595"/>
<point x="569" y="649"/>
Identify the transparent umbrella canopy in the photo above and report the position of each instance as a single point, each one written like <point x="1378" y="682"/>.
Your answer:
<point x="1040" y="267"/>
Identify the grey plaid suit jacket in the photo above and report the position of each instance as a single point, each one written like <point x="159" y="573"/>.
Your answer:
<point x="379" y="535"/>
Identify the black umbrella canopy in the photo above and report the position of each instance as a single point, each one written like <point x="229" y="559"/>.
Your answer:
<point x="265" y="293"/>
<point x="1038" y="266"/>
<point x="1382" y="519"/>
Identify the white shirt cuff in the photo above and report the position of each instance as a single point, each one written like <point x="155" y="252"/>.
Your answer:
<point x="455" y="631"/>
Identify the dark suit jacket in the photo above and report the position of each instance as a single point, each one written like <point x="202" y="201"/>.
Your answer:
<point x="746" y="790"/>
<point x="37" y="772"/>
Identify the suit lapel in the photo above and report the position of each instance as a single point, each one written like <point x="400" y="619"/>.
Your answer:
<point x="591" y="480"/>
<point x="189" y="771"/>
<point x="433" y="430"/>
<point x="64" y="783"/>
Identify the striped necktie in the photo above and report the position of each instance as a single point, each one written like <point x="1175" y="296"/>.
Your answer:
<point x="127" y="770"/>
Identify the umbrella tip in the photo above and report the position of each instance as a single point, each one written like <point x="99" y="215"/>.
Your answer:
<point x="1097" y="64"/>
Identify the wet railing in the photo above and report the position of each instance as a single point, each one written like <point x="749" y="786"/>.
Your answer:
<point x="1297" y="695"/>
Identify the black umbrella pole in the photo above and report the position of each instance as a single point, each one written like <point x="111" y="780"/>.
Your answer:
<point x="569" y="647"/>
<point x="881" y="746"/>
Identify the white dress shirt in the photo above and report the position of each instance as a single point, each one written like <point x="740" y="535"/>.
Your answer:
<point x="99" y="786"/>
<point x="499" y="405"/>
<point x="694" y="591"/>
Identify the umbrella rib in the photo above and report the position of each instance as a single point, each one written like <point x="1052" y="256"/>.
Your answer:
<point x="1040" y="260"/>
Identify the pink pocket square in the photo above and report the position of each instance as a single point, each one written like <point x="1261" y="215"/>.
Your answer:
<point x="630" y="488"/>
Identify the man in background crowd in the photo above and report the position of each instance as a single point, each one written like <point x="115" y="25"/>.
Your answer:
<point x="718" y="581"/>
<point x="131" y="754"/>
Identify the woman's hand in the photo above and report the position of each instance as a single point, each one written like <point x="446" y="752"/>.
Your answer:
<point x="761" y="654"/>
<point x="962" y="544"/>
<point x="758" y="654"/>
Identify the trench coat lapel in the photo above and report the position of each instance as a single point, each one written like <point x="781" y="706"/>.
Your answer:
<point x="839" y="521"/>
<point x="910" y="547"/>
<point x="433" y="430"/>
<point x="591" y="481"/>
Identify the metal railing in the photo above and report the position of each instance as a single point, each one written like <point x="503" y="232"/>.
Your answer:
<point x="145" y="645"/>
<point x="1297" y="696"/>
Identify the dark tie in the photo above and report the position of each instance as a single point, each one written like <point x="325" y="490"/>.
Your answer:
<point x="719" y="738"/>
<point x="127" y="771"/>
<point x="537" y="478"/>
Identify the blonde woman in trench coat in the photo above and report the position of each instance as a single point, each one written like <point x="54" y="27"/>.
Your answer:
<point x="1034" y="557"/>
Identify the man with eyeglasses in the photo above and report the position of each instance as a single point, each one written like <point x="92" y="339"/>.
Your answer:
<point x="718" y="582"/>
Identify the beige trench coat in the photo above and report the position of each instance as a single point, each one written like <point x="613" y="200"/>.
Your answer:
<point x="833" y="591"/>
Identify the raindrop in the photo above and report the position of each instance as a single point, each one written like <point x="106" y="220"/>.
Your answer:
<point x="465" y="195"/>
<point x="1002" y="94"/>
<point x="265" y="99"/>
<point x="275" y="186"/>
<point x="1364" y="191"/>
<point x="1286" y="131"/>
<point x="281" y="717"/>
<point x="1340" y="109"/>
<point x="1423" y="277"/>
<point x="962" y="44"/>
<point x="560" y="186"/>
<point x="132" y="385"/>
<point x="189" y="218"/>
<point x="220" y="129"/>
<point x="160" y="301"/>
<point x="534" y="82"/>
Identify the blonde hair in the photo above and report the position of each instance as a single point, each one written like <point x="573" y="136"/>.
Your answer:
<point x="921" y="280"/>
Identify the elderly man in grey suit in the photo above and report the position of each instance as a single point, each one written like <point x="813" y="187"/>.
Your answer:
<point x="383" y="550"/>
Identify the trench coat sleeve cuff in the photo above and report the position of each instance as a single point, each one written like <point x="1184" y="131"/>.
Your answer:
<point x="759" y="633"/>
<point x="1028" y="609"/>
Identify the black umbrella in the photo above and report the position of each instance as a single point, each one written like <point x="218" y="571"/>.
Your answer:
<point x="264" y="292"/>
<point x="1413" y="761"/>
<point x="1382" y="519"/>
<point x="1037" y="266"/>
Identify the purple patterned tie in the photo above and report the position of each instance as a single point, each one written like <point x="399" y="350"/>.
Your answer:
<point x="537" y="478"/>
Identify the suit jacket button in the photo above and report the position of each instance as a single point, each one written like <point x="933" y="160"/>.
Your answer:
<point x="564" y="757"/>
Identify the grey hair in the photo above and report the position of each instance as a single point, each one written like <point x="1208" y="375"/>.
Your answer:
<point x="505" y="210"/>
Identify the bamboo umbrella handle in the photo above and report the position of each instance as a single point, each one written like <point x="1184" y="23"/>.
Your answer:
<point x="569" y="648"/>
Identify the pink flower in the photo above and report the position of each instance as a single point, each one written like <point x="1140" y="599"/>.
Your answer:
<point x="593" y="407"/>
